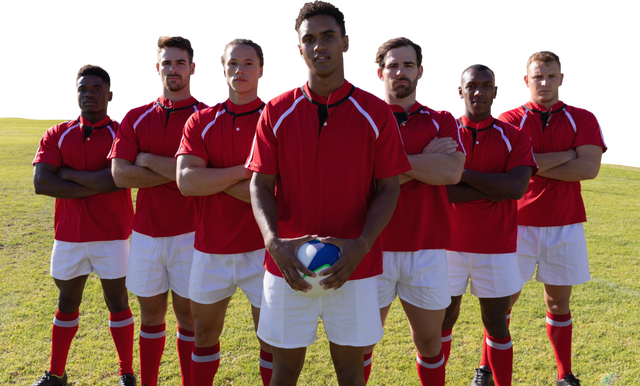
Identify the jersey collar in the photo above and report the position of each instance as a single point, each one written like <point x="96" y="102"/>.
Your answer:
<point x="335" y="98"/>
<point x="168" y="104"/>
<point x="235" y="109"/>
<point x="484" y="124"/>
<point x="540" y="108"/>
<point x="106" y="121"/>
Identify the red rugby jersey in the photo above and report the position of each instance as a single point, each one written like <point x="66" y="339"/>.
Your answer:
<point x="550" y="202"/>
<point x="222" y="136"/>
<point x="327" y="152"/>
<point x="421" y="219"/>
<point x="161" y="211"/>
<point x="484" y="226"/>
<point x="103" y="216"/>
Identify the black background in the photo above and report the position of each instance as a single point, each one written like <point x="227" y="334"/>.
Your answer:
<point x="123" y="40"/>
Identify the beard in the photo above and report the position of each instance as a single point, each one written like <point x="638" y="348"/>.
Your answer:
<point x="173" y="86"/>
<point x="401" y="92"/>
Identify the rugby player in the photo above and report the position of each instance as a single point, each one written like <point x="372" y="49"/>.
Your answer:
<point x="496" y="173"/>
<point x="229" y="250"/>
<point x="165" y="220"/>
<point x="334" y="153"/>
<point x="568" y="146"/>
<point x="92" y="222"/>
<point x="414" y="242"/>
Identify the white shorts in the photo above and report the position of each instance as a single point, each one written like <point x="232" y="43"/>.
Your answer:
<point x="157" y="264"/>
<point x="559" y="252"/>
<point x="216" y="277"/>
<point x="108" y="259"/>
<point x="493" y="275"/>
<point x="419" y="278"/>
<point x="350" y="315"/>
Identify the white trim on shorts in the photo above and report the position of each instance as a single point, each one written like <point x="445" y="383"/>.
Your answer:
<point x="493" y="275"/>
<point x="560" y="254"/>
<point x="216" y="277"/>
<point x="157" y="264"/>
<point x="108" y="259"/>
<point x="418" y="278"/>
<point x="350" y="315"/>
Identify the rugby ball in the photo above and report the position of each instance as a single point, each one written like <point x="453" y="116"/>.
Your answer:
<point x="316" y="256"/>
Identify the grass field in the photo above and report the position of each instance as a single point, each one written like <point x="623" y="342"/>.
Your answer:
<point x="606" y="310"/>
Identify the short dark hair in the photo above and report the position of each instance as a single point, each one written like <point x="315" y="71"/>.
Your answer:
<point x="321" y="8"/>
<point x="177" y="42"/>
<point x="244" y="42"/>
<point x="544" y="57"/>
<point x="478" y="66"/>
<point x="90" y="69"/>
<point x="397" y="43"/>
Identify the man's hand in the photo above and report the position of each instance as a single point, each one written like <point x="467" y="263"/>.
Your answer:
<point x="441" y="145"/>
<point x="351" y="253"/>
<point x="285" y="255"/>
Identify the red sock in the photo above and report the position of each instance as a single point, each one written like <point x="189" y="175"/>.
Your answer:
<point x="446" y="344"/>
<point x="484" y="361"/>
<point x="431" y="371"/>
<point x="152" y="340"/>
<point x="64" y="329"/>
<point x="559" y="330"/>
<point x="266" y="367"/>
<point x="204" y="364"/>
<point x="121" y="327"/>
<point x="367" y="366"/>
<point x="500" y="358"/>
<point x="185" y="343"/>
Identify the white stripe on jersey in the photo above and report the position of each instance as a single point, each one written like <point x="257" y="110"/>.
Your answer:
<point x="142" y="116"/>
<point x="253" y="146"/>
<point x="366" y="115"/>
<point x="460" y="139"/>
<point x="64" y="135"/>
<point x="286" y="113"/>
<point x="575" y="129"/>
<point x="204" y="132"/>
<point x="504" y="138"/>
<point x="524" y="118"/>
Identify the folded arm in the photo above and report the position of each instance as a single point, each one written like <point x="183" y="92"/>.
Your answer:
<point x="196" y="179"/>
<point x="47" y="182"/>
<point x="439" y="163"/>
<point x="129" y="175"/>
<point x="585" y="166"/>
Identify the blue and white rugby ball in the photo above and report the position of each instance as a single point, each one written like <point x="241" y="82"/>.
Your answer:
<point x="316" y="256"/>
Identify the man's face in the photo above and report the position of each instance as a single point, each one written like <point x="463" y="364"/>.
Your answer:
<point x="401" y="72"/>
<point x="242" y="68"/>
<point x="544" y="81"/>
<point x="478" y="91"/>
<point x="93" y="94"/>
<point x="321" y="45"/>
<point x="174" y="68"/>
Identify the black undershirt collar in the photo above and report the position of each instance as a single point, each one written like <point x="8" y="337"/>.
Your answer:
<point x="544" y="115"/>
<point x="87" y="130"/>
<point x="169" y="110"/>
<point x="323" y="110"/>
<point x="474" y="131"/>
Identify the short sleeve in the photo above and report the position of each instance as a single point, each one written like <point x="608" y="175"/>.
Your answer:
<point x="126" y="145"/>
<point x="449" y="129"/>
<point x="192" y="142"/>
<point x="48" y="150"/>
<point x="263" y="157"/>
<point x="588" y="131"/>
<point x="522" y="153"/>
<point x="389" y="158"/>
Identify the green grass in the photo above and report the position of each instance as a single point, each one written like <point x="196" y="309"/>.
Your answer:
<point x="605" y="310"/>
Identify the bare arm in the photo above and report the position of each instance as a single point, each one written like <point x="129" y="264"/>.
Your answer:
<point x="439" y="163"/>
<point x="353" y="250"/>
<point x="165" y="166"/>
<point x="548" y="161"/>
<point x="99" y="180"/>
<point x="240" y="191"/>
<point x="462" y="192"/>
<point x="510" y="185"/>
<point x="48" y="183"/>
<point x="127" y="175"/>
<point x="196" y="179"/>
<point x="283" y="251"/>
<point x="585" y="167"/>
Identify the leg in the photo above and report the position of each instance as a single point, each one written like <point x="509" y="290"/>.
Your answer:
<point x="287" y="365"/>
<point x="266" y="353"/>
<point x="559" y="325"/>
<point x="426" y="332"/>
<point x="152" y="336"/>
<point x="120" y="321"/>
<point x="450" y="318"/>
<point x="185" y="340"/>
<point x="348" y="363"/>
<point x="498" y="341"/>
<point x="368" y="351"/>
<point x="209" y="322"/>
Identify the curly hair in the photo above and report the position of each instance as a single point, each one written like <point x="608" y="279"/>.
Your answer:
<point x="544" y="57"/>
<point x="321" y="8"/>
<point x="397" y="43"/>
<point x="177" y="42"/>
<point x="243" y="42"/>
<point x="90" y="69"/>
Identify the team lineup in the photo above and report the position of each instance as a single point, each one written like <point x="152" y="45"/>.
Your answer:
<point x="420" y="205"/>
